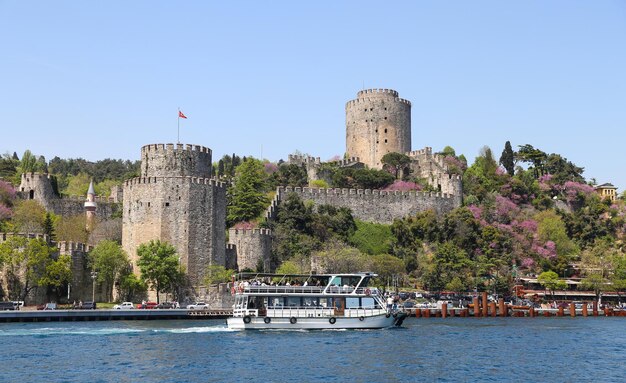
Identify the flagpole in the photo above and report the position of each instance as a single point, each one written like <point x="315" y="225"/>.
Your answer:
<point x="178" y="130"/>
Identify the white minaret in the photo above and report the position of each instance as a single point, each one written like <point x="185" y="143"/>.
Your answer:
<point x="90" y="207"/>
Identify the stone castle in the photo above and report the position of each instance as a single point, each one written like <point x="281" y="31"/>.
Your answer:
<point x="177" y="199"/>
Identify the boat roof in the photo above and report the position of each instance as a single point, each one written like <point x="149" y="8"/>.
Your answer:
<point x="257" y="275"/>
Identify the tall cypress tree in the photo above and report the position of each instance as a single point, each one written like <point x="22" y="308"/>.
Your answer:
<point x="507" y="158"/>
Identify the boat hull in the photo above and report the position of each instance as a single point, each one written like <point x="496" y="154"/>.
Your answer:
<point x="311" y="323"/>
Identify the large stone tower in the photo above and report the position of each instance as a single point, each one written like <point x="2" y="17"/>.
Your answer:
<point x="177" y="201"/>
<point x="377" y="122"/>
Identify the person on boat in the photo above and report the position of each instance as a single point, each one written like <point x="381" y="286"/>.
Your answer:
<point x="389" y="302"/>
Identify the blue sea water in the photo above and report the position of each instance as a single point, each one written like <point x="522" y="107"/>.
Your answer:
<point x="425" y="350"/>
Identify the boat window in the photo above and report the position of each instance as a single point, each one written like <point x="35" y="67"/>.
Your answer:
<point x="276" y="302"/>
<point x="293" y="301"/>
<point x="365" y="282"/>
<point x="352" y="303"/>
<point x="310" y="301"/>
<point x="368" y="302"/>
<point x="336" y="281"/>
<point x="325" y="302"/>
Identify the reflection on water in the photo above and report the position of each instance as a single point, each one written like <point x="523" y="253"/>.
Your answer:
<point x="452" y="349"/>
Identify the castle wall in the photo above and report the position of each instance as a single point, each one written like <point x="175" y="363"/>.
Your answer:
<point x="81" y="285"/>
<point x="38" y="187"/>
<point x="432" y="167"/>
<point x="253" y="248"/>
<point x="377" y="122"/>
<point x="375" y="205"/>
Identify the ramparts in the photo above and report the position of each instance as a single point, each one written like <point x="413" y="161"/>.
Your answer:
<point x="252" y="247"/>
<point x="378" y="206"/>
<point x="169" y="160"/>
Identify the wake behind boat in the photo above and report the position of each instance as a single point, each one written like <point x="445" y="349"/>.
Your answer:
<point x="315" y="301"/>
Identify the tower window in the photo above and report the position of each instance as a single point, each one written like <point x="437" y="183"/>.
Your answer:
<point x="385" y="118"/>
<point x="385" y="140"/>
<point x="167" y="204"/>
<point x="376" y="130"/>
<point x="385" y="108"/>
<point x="371" y="108"/>
<point x="376" y="141"/>
<point x="365" y="109"/>
<point x="385" y="130"/>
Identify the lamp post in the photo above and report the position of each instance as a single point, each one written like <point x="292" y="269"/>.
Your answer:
<point x="94" y="275"/>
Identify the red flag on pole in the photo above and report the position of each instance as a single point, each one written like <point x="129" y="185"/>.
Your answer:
<point x="181" y="115"/>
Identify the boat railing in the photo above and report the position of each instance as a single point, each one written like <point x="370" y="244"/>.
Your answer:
<point x="260" y="289"/>
<point x="272" y="289"/>
<point x="300" y="311"/>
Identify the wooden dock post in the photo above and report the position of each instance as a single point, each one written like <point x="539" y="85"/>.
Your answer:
<point x="492" y="308"/>
<point x="426" y="313"/>
<point x="572" y="309"/>
<point x="417" y="312"/>
<point x="476" y="308"/>
<point x="444" y="310"/>
<point x="531" y="312"/>
<point x="595" y="308"/>
<point x="585" y="313"/>
<point x="502" y="307"/>
<point x="561" y="311"/>
<point x="485" y="305"/>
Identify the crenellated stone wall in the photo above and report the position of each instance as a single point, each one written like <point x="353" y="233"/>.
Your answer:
<point x="375" y="205"/>
<point x="81" y="286"/>
<point x="38" y="187"/>
<point x="253" y="248"/>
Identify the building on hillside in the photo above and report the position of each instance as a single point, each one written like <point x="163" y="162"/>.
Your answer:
<point x="607" y="191"/>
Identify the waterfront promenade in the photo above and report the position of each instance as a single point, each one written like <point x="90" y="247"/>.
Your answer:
<point x="109" y="315"/>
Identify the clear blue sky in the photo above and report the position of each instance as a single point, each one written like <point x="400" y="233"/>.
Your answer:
<point x="100" y="79"/>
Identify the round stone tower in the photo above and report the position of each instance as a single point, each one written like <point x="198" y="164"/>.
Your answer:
<point x="377" y="122"/>
<point x="159" y="160"/>
<point x="176" y="201"/>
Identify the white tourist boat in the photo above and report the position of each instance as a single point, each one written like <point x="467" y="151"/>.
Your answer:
<point x="316" y="301"/>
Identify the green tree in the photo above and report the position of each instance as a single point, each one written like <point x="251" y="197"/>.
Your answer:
<point x="387" y="266"/>
<point x="372" y="238"/>
<point x="527" y="153"/>
<point x="550" y="227"/>
<point x="396" y="163"/>
<point x="550" y="280"/>
<point x="48" y="226"/>
<point x="131" y="286"/>
<point x="449" y="262"/>
<point x="507" y="159"/>
<point x="110" y="261"/>
<point x="289" y="267"/>
<point x="72" y="229"/>
<point x="31" y="264"/>
<point x="289" y="175"/>
<point x="158" y="263"/>
<point x="597" y="267"/>
<point x="29" y="217"/>
<point x="218" y="274"/>
<point x="247" y="198"/>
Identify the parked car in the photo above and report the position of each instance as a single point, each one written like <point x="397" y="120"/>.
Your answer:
<point x="147" y="305"/>
<point x="165" y="305"/>
<point x="50" y="306"/>
<point x="198" y="306"/>
<point x="88" y="305"/>
<point x="7" y="306"/>
<point x="124" y="306"/>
